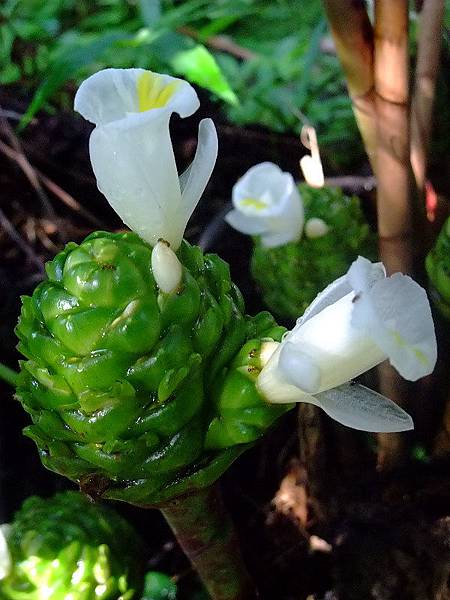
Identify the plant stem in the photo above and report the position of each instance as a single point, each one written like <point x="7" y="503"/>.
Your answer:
<point x="8" y="375"/>
<point x="394" y="207"/>
<point x="205" y="532"/>
<point x="427" y="68"/>
<point x="393" y="167"/>
<point x="353" y="37"/>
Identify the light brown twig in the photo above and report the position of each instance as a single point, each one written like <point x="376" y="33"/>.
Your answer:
<point x="427" y="68"/>
<point x="223" y="43"/>
<point x="18" y="239"/>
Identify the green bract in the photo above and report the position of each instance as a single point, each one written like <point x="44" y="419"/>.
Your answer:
<point x="136" y="394"/>
<point x="67" y="548"/>
<point x="438" y="269"/>
<point x="291" y="276"/>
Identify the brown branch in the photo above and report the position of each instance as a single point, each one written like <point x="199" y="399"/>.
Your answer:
<point x="427" y="68"/>
<point x="223" y="43"/>
<point x="353" y="37"/>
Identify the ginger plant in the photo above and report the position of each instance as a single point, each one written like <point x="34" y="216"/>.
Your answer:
<point x="145" y="378"/>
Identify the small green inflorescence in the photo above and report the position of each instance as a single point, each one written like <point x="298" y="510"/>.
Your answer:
<point x="136" y="394"/>
<point x="290" y="276"/>
<point x="438" y="269"/>
<point x="65" y="548"/>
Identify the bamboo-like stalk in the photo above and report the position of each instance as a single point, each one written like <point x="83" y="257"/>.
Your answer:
<point x="205" y="532"/>
<point x="353" y="37"/>
<point x="393" y="166"/>
<point x="427" y="68"/>
<point x="394" y="209"/>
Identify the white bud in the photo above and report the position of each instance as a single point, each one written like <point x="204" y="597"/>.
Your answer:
<point x="316" y="228"/>
<point x="167" y="269"/>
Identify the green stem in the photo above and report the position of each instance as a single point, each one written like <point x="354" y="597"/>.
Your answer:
<point x="205" y="532"/>
<point x="9" y="375"/>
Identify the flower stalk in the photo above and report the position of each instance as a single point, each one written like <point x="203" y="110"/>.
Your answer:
<point x="8" y="375"/>
<point x="204" y="530"/>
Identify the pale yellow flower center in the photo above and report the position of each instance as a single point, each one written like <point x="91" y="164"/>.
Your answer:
<point x="153" y="92"/>
<point x="256" y="203"/>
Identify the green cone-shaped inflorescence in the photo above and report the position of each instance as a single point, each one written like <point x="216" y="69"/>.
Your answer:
<point x="65" y="548"/>
<point x="159" y="586"/>
<point x="290" y="276"/>
<point x="438" y="269"/>
<point x="136" y="394"/>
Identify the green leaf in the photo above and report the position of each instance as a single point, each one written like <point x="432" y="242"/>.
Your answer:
<point x="64" y="66"/>
<point x="199" y="66"/>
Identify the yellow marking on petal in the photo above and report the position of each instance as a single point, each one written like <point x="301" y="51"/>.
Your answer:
<point x="152" y="92"/>
<point x="254" y="202"/>
<point x="421" y="356"/>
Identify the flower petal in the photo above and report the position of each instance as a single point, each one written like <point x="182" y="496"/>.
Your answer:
<point x="193" y="181"/>
<point x="277" y="238"/>
<point x="256" y="181"/>
<point x="245" y="223"/>
<point x="136" y="171"/>
<point x="112" y="95"/>
<point x="331" y="294"/>
<point x="363" y="274"/>
<point x="359" y="407"/>
<point x="338" y="349"/>
<point x="299" y="369"/>
<point x="397" y="315"/>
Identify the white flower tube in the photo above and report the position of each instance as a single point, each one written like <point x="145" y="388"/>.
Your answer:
<point x="131" y="150"/>
<point x="359" y="320"/>
<point x="266" y="202"/>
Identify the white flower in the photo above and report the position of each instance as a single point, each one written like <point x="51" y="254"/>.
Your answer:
<point x="267" y="203"/>
<point x="359" y="320"/>
<point x="131" y="150"/>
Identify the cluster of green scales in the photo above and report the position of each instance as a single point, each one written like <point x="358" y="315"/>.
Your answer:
<point x="140" y="395"/>
<point x="438" y="269"/>
<point x="136" y="394"/>
<point x="290" y="276"/>
<point x="67" y="548"/>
